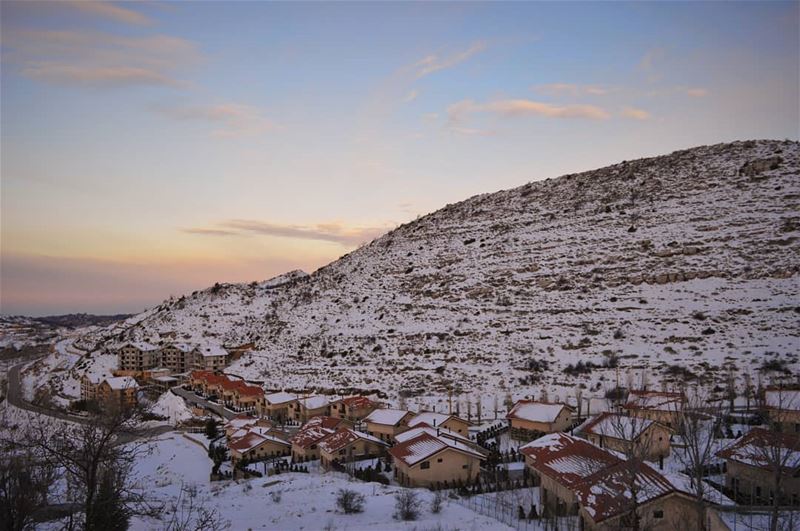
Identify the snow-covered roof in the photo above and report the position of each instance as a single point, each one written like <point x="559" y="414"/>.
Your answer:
<point x="252" y="440"/>
<point x="535" y="411"/>
<point x="567" y="458"/>
<point x="388" y="417"/>
<point x="122" y="382"/>
<point x="144" y="346"/>
<point x="615" y="425"/>
<point x="608" y="493"/>
<point x="280" y="397"/>
<point x="314" y="402"/>
<point x="356" y="402"/>
<point x="183" y="347"/>
<point x="430" y="418"/>
<point x="208" y="351"/>
<point x="785" y="399"/>
<point x="312" y="432"/>
<point x="240" y="422"/>
<point x="426" y="445"/>
<point x="765" y="449"/>
<point x="165" y="379"/>
<point x="344" y="437"/>
<point x="426" y="428"/>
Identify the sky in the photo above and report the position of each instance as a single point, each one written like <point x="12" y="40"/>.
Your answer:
<point x="149" y="149"/>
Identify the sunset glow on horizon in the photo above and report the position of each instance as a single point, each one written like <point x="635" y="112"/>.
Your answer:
<point x="152" y="149"/>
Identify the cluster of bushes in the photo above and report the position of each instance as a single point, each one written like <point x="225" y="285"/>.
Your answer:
<point x="371" y="474"/>
<point x="483" y="437"/>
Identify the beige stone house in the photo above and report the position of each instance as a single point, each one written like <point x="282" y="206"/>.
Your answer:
<point x="663" y="407"/>
<point x="305" y="443"/>
<point x="276" y="405"/>
<point x="578" y="478"/>
<point x="352" y="408"/>
<point x="630" y="435"/>
<point x="529" y="419"/>
<point x="751" y="463"/>
<point x="441" y="420"/>
<point x="120" y="391"/>
<point x="256" y="446"/>
<point x="248" y="398"/>
<point x="783" y="408"/>
<point x="347" y="445"/>
<point x="385" y="424"/>
<point x="427" y="460"/>
<point x="303" y="409"/>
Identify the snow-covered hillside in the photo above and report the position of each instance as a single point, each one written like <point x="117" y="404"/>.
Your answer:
<point x="676" y="267"/>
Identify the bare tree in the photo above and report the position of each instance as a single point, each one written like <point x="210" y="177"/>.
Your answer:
<point x="637" y="449"/>
<point x="579" y="399"/>
<point x="777" y="452"/>
<point x="96" y="459"/>
<point x="698" y="423"/>
<point x="25" y="485"/>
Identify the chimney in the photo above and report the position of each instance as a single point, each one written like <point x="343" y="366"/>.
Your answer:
<point x="437" y="432"/>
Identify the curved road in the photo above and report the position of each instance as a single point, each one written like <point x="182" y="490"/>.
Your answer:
<point x="14" y="397"/>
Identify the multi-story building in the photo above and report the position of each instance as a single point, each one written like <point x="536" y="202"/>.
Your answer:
<point x="210" y="358"/>
<point x="138" y="356"/>
<point x="178" y="357"/>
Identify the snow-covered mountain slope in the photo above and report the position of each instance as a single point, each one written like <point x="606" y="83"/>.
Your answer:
<point x="676" y="267"/>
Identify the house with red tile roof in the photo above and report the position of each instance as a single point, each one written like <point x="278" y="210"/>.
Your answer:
<point x="578" y="478"/>
<point x="752" y="462"/>
<point x="257" y="445"/>
<point x="663" y="407"/>
<point x="247" y="398"/>
<point x="427" y="460"/>
<point x="529" y="419"/>
<point x="353" y="408"/>
<point x="275" y="406"/>
<point x="347" y="445"/>
<point x="385" y="424"/>
<point x="305" y="443"/>
<point x="440" y="420"/>
<point x="630" y="435"/>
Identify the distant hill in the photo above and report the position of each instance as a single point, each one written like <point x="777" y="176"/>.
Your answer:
<point x="79" y="320"/>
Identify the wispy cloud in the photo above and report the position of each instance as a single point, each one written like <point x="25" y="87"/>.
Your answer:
<point x="231" y="119"/>
<point x="636" y="114"/>
<point x="98" y="59"/>
<point x="572" y="89"/>
<point x="522" y="107"/>
<point x="329" y="232"/>
<point x="109" y="11"/>
<point x="411" y="96"/>
<point x="436" y="62"/>
<point x="679" y="90"/>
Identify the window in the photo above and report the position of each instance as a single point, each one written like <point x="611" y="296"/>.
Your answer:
<point x="425" y="465"/>
<point x="439" y="460"/>
<point x="313" y="446"/>
<point x="464" y="466"/>
<point x="658" y="514"/>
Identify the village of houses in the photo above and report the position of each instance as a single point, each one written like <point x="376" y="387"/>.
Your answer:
<point x="583" y="460"/>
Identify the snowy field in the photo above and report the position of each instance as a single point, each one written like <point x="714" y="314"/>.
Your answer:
<point x="307" y="501"/>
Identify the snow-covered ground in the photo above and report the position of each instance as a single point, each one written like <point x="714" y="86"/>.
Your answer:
<point x="307" y="501"/>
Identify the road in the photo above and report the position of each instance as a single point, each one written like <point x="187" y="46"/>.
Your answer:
<point x="15" y="398"/>
<point x="192" y="398"/>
